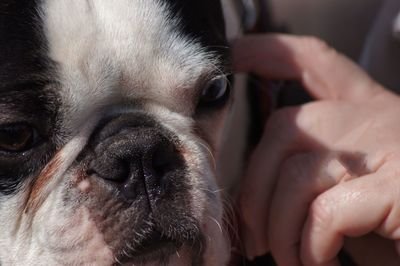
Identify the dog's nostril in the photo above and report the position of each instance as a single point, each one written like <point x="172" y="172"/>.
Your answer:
<point x="165" y="159"/>
<point x="116" y="171"/>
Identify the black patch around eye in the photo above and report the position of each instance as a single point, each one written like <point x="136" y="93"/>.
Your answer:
<point x="23" y="153"/>
<point x="16" y="138"/>
<point x="27" y="131"/>
<point x="16" y="167"/>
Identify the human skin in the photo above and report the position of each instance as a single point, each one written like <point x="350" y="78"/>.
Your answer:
<point x="326" y="174"/>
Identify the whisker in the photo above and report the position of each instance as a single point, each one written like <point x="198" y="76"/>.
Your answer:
<point x="200" y="248"/>
<point x="217" y="223"/>
<point x="129" y="246"/>
<point x="208" y="149"/>
<point x="217" y="191"/>
<point x="117" y="260"/>
<point x="230" y="221"/>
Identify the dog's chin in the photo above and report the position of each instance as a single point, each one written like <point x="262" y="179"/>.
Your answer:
<point x="180" y="257"/>
<point x="159" y="249"/>
<point x="161" y="252"/>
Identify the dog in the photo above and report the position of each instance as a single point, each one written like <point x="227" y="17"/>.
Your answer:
<point x="112" y="113"/>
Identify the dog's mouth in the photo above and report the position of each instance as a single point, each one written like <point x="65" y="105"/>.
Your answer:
<point x="155" y="246"/>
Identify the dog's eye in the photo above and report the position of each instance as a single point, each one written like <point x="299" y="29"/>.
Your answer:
<point x="216" y="93"/>
<point x="16" y="137"/>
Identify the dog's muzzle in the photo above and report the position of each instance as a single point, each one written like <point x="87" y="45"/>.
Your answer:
<point x="139" y="165"/>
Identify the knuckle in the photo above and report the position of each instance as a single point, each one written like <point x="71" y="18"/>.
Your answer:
<point x="320" y="214"/>
<point x="295" y="170"/>
<point x="316" y="49"/>
<point x="314" y="44"/>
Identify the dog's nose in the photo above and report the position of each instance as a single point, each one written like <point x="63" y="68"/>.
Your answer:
<point x="138" y="161"/>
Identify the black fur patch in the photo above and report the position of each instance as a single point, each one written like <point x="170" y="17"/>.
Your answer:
<point x="21" y="42"/>
<point x="24" y="80"/>
<point x="204" y="21"/>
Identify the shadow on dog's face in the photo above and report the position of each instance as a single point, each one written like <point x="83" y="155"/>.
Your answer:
<point x="111" y="113"/>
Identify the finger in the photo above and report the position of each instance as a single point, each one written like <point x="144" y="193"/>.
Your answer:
<point x="352" y="209"/>
<point x="303" y="177"/>
<point x="284" y="134"/>
<point x="281" y="138"/>
<point x="325" y="73"/>
<point x="259" y="180"/>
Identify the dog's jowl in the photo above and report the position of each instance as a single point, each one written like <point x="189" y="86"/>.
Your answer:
<point x="111" y="116"/>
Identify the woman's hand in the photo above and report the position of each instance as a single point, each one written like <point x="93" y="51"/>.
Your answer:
<point x="326" y="172"/>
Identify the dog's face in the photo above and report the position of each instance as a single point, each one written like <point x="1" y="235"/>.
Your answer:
<point x="110" y="115"/>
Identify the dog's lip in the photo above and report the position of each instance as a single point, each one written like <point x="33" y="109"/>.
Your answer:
<point x="154" y="247"/>
<point x="154" y="243"/>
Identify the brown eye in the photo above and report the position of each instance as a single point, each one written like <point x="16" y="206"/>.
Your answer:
<point x="216" y="93"/>
<point x="16" y="137"/>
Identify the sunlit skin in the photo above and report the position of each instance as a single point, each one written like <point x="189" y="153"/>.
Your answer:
<point x="327" y="170"/>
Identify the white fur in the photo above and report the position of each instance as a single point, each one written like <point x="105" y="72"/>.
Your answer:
<point x="108" y="52"/>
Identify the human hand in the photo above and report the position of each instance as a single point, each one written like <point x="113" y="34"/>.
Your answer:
<point x="326" y="170"/>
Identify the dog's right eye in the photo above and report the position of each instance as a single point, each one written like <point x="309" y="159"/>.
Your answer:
<point x="216" y="93"/>
<point x="16" y="137"/>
